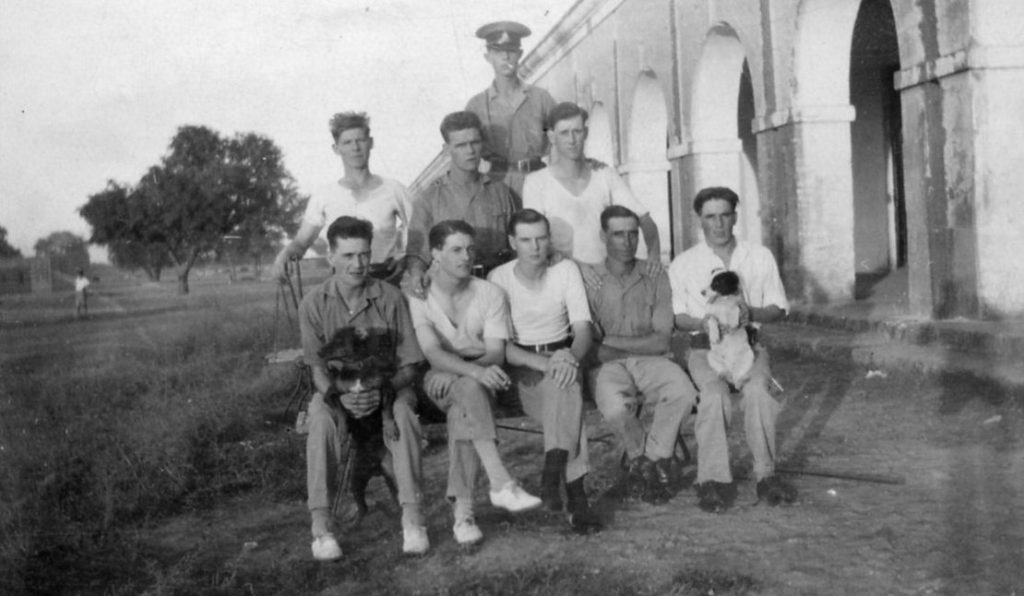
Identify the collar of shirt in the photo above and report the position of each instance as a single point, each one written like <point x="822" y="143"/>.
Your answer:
<point x="520" y="97"/>
<point x="637" y="275"/>
<point x="371" y="291"/>
<point x="739" y="255"/>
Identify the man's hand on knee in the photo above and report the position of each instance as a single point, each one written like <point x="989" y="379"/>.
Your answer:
<point x="437" y="385"/>
<point x="493" y="377"/>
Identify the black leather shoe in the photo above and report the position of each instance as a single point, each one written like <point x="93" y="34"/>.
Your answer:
<point x="711" y="496"/>
<point x="639" y="477"/>
<point x="581" y="518"/>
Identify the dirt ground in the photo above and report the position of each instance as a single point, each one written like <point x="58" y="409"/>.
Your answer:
<point x="953" y="527"/>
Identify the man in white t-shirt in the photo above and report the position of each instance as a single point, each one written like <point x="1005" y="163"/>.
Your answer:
<point x="462" y="327"/>
<point x="551" y="326"/>
<point x="573" y="190"/>
<point x="383" y="202"/>
<point x="765" y="302"/>
<point x="81" y="294"/>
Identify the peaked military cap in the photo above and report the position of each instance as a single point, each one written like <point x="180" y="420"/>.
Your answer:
<point x="503" y="35"/>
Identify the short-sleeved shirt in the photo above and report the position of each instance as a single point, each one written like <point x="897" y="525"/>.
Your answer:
<point x="381" y="306"/>
<point x="81" y="283"/>
<point x="691" y="272"/>
<point x="486" y="317"/>
<point x="625" y="306"/>
<point x="576" y="220"/>
<point x="386" y="207"/>
<point x="513" y="131"/>
<point x="544" y="315"/>
<point x="488" y="211"/>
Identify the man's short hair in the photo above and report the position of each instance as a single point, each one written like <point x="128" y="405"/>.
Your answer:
<point x="442" y="230"/>
<point x="565" y="111"/>
<point x="460" y="121"/>
<point x="612" y="211"/>
<point x="527" y="216"/>
<point x="346" y="227"/>
<point x="715" y="192"/>
<point x="343" y="121"/>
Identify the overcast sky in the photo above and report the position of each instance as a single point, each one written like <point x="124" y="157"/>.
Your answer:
<point x="91" y="91"/>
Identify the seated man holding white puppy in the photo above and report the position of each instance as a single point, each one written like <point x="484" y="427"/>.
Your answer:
<point x="764" y="302"/>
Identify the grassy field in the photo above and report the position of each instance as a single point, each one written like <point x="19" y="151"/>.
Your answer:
<point x="154" y="405"/>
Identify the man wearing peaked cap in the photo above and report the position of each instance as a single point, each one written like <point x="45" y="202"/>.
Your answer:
<point x="503" y="35"/>
<point x="512" y="112"/>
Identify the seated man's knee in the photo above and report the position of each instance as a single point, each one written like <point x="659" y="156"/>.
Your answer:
<point x="468" y="389"/>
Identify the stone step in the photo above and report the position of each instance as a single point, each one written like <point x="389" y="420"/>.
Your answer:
<point x="934" y="348"/>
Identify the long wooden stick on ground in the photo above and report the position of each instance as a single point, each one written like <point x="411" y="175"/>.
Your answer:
<point x="876" y="478"/>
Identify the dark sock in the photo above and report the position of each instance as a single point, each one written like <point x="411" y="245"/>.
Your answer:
<point x="553" y="477"/>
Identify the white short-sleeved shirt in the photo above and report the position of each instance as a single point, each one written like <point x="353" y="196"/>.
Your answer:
<point x="485" y="318"/>
<point x="544" y="315"/>
<point x="576" y="220"/>
<point x="386" y="207"/>
<point x="691" y="272"/>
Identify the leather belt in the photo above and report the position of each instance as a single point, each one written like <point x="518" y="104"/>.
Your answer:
<point x="530" y="164"/>
<point x="551" y="347"/>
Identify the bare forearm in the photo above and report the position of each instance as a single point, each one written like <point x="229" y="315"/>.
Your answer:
<point x="447" y="362"/>
<point x="517" y="356"/>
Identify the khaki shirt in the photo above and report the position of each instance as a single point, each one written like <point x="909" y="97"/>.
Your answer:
<point x="513" y="131"/>
<point x="627" y="306"/>
<point x="488" y="211"/>
<point x="381" y="306"/>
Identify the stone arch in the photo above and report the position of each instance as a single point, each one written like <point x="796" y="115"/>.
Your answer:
<point x="647" y="167"/>
<point x="845" y="117"/>
<point x="723" y="145"/>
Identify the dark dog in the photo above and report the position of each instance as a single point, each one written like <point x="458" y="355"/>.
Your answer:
<point x="360" y="360"/>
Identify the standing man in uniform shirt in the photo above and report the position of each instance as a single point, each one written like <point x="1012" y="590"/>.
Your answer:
<point x="462" y="327"/>
<point x="765" y="299"/>
<point x="573" y="190"/>
<point x="462" y="193"/>
<point x="383" y="202"/>
<point x="513" y="113"/>
<point x="633" y="321"/>
<point x="350" y="298"/>
<point x="551" y="326"/>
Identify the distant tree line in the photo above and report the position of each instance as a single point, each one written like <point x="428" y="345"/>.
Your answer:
<point x="6" y="250"/>
<point x="210" y="197"/>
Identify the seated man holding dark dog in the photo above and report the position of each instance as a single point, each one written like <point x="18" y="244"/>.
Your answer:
<point x="633" y="321"/>
<point x="352" y="312"/>
<point x="764" y="301"/>
<point x="462" y="326"/>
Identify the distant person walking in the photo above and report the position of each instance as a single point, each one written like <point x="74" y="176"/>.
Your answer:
<point x="81" y="295"/>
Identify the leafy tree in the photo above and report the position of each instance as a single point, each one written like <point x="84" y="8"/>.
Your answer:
<point x="205" y="188"/>
<point x="68" y="252"/>
<point x="6" y="250"/>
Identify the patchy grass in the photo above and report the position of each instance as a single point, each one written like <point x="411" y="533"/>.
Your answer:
<point x="91" y="453"/>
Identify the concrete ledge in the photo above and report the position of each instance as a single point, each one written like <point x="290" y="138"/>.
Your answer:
<point x="927" y="347"/>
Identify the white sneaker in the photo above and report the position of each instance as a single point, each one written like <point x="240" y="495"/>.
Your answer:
<point x="467" y="532"/>
<point x="415" y="541"/>
<point x="326" y="548"/>
<point x="513" y="498"/>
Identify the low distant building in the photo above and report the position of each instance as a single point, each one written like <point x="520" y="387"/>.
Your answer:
<point x="26" y="276"/>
